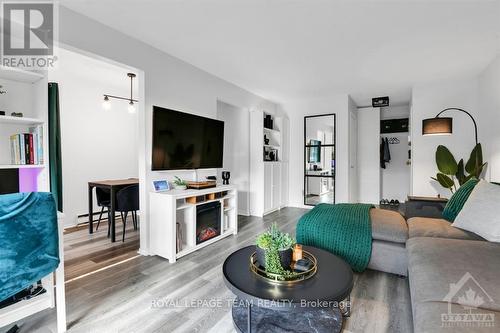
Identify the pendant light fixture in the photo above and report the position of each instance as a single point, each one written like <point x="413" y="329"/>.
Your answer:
<point x="106" y="104"/>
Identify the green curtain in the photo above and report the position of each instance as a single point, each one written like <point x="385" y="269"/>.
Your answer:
<point x="55" y="164"/>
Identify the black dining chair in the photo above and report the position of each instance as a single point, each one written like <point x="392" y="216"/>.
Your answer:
<point x="104" y="201"/>
<point x="127" y="200"/>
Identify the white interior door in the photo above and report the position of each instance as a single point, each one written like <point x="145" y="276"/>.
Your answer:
<point x="236" y="151"/>
<point x="268" y="186"/>
<point x="276" y="200"/>
<point x="353" y="156"/>
<point x="368" y="156"/>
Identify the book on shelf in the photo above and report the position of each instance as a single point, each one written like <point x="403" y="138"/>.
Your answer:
<point x="27" y="148"/>
<point x="38" y="142"/>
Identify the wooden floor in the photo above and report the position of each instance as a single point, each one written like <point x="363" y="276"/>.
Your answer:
<point x="140" y="295"/>
<point x="85" y="253"/>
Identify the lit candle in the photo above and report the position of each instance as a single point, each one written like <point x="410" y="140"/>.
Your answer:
<point x="297" y="252"/>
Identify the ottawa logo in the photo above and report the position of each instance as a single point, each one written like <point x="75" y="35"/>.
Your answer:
<point x="467" y="302"/>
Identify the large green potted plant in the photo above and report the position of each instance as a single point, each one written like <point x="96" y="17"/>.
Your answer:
<point x="274" y="250"/>
<point x="451" y="172"/>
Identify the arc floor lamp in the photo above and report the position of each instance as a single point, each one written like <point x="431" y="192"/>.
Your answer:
<point x="444" y="125"/>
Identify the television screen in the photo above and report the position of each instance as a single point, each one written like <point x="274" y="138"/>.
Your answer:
<point x="185" y="141"/>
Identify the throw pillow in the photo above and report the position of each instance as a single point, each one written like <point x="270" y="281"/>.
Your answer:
<point x="458" y="199"/>
<point x="481" y="212"/>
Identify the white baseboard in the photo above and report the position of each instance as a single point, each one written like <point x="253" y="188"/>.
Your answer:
<point x="300" y="206"/>
<point x="243" y="212"/>
<point x="143" y="252"/>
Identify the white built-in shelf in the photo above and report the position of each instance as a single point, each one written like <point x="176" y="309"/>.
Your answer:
<point x="272" y="146"/>
<point x="16" y="74"/>
<point x="184" y="206"/>
<point x="18" y="310"/>
<point x="22" y="166"/>
<point x="169" y="209"/>
<point x="271" y="130"/>
<point x="189" y="205"/>
<point x="20" y="120"/>
<point x="191" y="249"/>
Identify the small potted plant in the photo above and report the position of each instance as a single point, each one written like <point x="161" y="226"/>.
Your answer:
<point x="180" y="184"/>
<point x="274" y="250"/>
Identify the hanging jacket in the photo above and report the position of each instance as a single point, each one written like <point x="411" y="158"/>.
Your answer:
<point x="387" y="152"/>
<point x="382" y="161"/>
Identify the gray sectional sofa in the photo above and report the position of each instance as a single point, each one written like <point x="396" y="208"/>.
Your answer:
<point x="454" y="275"/>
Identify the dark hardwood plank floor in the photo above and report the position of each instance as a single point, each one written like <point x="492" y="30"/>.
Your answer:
<point x="140" y="295"/>
<point x="85" y="253"/>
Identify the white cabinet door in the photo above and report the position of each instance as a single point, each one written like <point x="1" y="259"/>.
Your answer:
<point x="368" y="155"/>
<point x="276" y="200"/>
<point x="284" y="184"/>
<point x="268" y="186"/>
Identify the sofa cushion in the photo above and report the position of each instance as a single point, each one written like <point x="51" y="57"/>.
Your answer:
<point x="443" y="272"/>
<point x="389" y="257"/>
<point x="481" y="212"/>
<point x="388" y="225"/>
<point x="429" y="227"/>
<point x="458" y="199"/>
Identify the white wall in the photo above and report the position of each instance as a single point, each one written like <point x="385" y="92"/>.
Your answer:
<point x="236" y="151"/>
<point x="489" y="120"/>
<point x="369" y="155"/>
<point x="168" y="82"/>
<point x="296" y="111"/>
<point x="96" y="144"/>
<point x="428" y="100"/>
<point x="395" y="182"/>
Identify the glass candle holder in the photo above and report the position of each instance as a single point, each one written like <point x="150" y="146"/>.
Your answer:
<point x="297" y="252"/>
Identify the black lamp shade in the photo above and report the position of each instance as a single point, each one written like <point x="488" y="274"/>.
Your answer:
<point x="437" y="126"/>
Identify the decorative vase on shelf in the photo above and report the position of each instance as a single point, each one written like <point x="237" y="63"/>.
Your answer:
<point x="225" y="177"/>
<point x="268" y="122"/>
<point x="266" y="140"/>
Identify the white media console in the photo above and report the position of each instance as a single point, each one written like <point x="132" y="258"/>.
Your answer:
<point x="175" y="229"/>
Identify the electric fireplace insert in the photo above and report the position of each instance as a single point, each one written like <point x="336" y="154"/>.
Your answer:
<point x="208" y="221"/>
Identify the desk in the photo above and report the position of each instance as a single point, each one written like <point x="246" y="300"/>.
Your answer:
<point x="113" y="186"/>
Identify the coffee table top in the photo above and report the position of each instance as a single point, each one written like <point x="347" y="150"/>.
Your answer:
<point x="332" y="282"/>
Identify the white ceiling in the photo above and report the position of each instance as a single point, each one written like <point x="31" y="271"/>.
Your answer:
<point x="290" y="49"/>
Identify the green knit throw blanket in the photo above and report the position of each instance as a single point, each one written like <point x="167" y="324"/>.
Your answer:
<point x="342" y="229"/>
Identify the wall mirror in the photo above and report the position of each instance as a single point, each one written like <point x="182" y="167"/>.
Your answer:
<point x="319" y="159"/>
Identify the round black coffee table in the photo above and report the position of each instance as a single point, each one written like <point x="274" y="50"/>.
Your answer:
<point x="310" y="305"/>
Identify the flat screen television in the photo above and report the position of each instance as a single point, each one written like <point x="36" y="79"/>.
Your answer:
<point x="186" y="141"/>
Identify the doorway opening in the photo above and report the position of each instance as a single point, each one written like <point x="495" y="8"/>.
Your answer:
<point x="98" y="145"/>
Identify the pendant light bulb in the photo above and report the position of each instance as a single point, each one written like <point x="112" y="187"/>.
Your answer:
<point x="131" y="107"/>
<point x="106" y="104"/>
